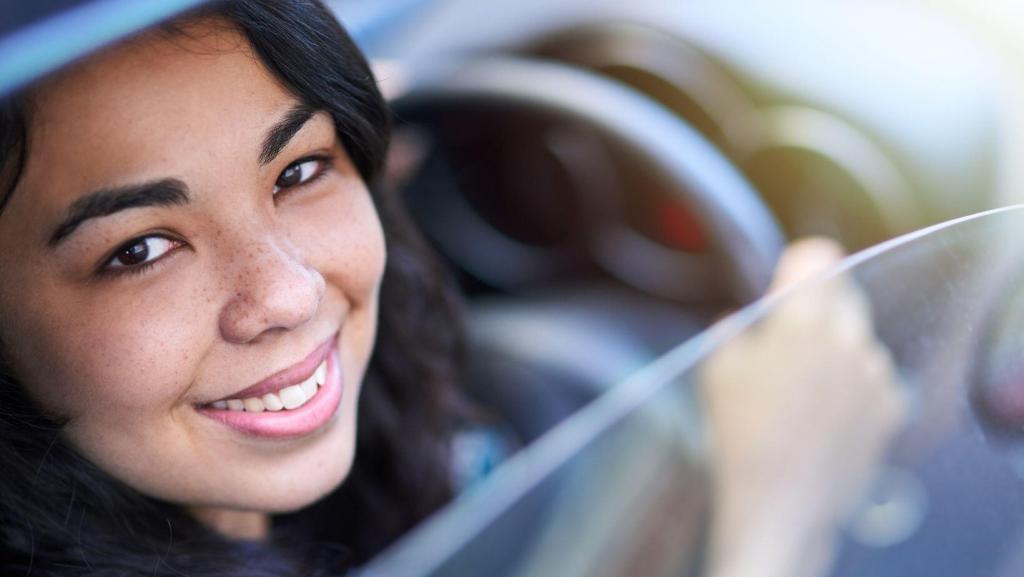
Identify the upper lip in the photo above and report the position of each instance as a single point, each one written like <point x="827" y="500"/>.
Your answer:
<point x="292" y="375"/>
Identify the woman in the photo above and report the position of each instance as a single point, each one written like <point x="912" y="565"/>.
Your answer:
<point x="193" y="266"/>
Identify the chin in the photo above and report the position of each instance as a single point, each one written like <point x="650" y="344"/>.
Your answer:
<point x="308" y="495"/>
<point x="285" y="484"/>
<point x="299" y="487"/>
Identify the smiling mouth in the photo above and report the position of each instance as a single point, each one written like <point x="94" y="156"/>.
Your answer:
<point x="286" y="399"/>
<point x="293" y="403"/>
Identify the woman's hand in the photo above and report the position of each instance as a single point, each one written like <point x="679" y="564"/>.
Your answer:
<point x="801" y="410"/>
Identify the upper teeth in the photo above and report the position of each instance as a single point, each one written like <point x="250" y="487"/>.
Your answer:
<point x="291" y="397"/>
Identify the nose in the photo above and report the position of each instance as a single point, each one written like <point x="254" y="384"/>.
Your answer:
<point x="270" y="290"/>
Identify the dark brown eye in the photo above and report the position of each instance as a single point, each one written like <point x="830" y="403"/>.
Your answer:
<point x="298" y="173"/>
<point x="290" y="177"/>
<point x="141" y="251"/>
<point x="134" y="254"/>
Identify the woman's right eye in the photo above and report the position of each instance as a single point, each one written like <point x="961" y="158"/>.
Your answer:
<point x="137" y="254"/>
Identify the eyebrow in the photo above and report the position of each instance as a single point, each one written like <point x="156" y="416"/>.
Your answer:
<point x="105" y="202"/>
<point x="281" y="133"/>
<point x="169" y="191"/>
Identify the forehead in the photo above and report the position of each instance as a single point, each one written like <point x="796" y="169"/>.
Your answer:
<point x="164" y="67"/>
<point x="149" y="105"/>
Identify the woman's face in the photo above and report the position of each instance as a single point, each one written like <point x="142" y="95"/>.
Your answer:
<point x="186" y="241"/>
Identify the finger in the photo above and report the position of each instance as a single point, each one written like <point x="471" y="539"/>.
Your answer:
<point x="803" y="259"/>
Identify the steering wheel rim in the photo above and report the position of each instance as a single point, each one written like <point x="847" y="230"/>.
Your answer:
<point x="744" y="238"/>
<point x="665" y="66"/>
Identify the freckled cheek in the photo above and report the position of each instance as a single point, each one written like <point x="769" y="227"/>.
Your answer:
<point x="346" y="245"/>
<point x="132" y="357"/>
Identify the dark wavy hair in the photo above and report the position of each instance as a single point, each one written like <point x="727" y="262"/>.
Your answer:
<point x="61" y="515"/>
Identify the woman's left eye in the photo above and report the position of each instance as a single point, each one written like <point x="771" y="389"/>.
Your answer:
<point x="299" y="172"/>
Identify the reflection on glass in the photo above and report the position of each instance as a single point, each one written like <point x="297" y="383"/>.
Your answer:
<point x="867" y="422"/>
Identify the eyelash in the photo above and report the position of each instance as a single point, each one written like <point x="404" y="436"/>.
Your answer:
<point x="107" y="270"/>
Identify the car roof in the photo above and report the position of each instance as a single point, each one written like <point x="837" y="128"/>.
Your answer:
<point x="39" y="37"/>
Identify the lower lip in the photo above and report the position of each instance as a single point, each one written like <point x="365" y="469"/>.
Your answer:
<point x="285" y="423"/>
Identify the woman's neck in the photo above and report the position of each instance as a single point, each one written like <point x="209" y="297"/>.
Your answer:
<point x="235" y="524"/>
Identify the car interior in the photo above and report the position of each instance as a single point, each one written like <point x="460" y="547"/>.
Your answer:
<point x="620" y="173"/>
<point x="609" y="181"/>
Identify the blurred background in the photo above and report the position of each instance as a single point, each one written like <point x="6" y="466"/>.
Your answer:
<point x="923" y="91"/>
<point x="607" y="178"/>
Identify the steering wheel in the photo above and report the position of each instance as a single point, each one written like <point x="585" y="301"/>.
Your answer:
<point x="818" y="171"/>
<point x="613" y="148"/>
